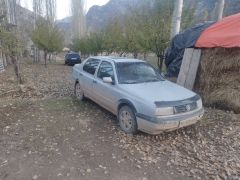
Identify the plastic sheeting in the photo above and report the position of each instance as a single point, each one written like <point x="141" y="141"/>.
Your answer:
<point x="175" y="52"/>
<point x="225" y="33"/>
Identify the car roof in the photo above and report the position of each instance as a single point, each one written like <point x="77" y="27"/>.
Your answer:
<point x="73" y="53"/>
<point x="117" y="59"/>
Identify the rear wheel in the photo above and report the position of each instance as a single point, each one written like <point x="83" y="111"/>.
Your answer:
<point x="78" y="91"/>
<point x="127" y="120"/>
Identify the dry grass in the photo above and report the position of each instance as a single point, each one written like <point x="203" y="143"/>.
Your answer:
<point x="218" y="78"/>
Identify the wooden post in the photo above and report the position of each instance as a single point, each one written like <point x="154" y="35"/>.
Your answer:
<point x="189" y="67"/>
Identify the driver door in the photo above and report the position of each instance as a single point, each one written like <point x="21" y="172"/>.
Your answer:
<point x="105" y="93"/>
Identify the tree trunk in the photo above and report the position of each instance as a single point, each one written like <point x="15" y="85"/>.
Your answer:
<point x="38" y="55"/>
<point x="35" y="55"/>
<point x="1" y="62"/>
<point x="145" y="56"/>
<point x="121" y="54"/>
<point x="4" y="60"/>
<point x="161" y="59"/>
<point x="45" y="58"/>
<point x="49" y="57"/>
<point x="135" y="55"/>
<point x="15" y="62"/>
<point x="220" y="8"/>
<point x="176" y="19"/>
<point x="160" y="63"/>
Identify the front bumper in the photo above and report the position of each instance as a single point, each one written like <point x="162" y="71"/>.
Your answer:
<point x="169" y="123"/>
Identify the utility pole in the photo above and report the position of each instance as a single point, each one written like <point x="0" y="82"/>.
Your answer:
<point x="220" y="9"/>
<point x="176" y="19"/>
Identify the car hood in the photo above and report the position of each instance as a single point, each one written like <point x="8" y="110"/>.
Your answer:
<point x="158" y="91"/>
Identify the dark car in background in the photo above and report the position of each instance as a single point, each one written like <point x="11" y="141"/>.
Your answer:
<point x="72" y="58"/>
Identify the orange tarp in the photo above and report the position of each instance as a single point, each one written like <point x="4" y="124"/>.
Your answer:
<point x="224" y="33"/>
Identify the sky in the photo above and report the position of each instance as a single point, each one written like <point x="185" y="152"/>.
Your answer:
<point x="63" y="6"/>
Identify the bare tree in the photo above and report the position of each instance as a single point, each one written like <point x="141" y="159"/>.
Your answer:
<point x="78" y="21"/>
<point x="43" y="8"/>
<point x="220" y="9"/>
<point x="37" y="10"/>
<point x="10" y="43"/>
<point x="176" y="19"/>
<point x="50" y="10"/>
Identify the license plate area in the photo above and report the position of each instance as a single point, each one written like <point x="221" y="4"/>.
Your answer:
<point x="188" y="122"/>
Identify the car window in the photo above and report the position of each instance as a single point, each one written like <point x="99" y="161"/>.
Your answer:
<point x="73" y="56"/>
<point x="105" y="70"/>
<point x="91" y="65"/>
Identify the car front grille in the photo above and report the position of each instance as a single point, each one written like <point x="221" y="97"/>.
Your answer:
<point x="185" y="108"/>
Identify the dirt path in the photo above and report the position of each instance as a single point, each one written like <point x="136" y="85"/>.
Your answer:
<point x="46" y="134"/>
<point x="65" y="139"/>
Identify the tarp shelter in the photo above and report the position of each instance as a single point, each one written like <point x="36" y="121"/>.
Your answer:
<point x="225" y="33"/>
<point x="175" y="52"/>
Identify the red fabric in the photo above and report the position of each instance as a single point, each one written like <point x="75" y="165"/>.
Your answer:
<point x="224" y="33"/>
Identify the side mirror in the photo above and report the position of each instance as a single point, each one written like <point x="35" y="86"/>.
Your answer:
<point x="107" y="80"/>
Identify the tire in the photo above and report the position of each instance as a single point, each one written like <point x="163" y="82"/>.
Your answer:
<point x="127" y="120"/>
<point x="78" y="91"/>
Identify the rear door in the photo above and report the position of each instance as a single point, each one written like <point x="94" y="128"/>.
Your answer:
<point x="105" y="93"/>
<point x="87" y="76"/>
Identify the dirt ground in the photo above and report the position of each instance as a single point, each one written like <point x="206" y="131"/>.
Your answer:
<point x="46" y="134"/>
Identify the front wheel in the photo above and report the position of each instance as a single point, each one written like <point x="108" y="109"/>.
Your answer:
<point x="127" y="120"/>
<point x="78" y="91"/>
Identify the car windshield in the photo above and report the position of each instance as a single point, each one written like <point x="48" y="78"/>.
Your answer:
<point x="136" y="72"/>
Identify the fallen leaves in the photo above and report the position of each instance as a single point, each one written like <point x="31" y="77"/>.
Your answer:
<point x="203" y="150"/>
<point x="208" y="150"/>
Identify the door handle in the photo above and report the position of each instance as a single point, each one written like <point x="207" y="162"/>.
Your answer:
<point x="95" y="82"/>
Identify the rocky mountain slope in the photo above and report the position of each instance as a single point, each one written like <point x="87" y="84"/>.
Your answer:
<point x="98" y="16"/>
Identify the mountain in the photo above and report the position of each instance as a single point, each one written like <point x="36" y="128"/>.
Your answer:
<point x="98" y="16"/>
<point x="65" y="26"/>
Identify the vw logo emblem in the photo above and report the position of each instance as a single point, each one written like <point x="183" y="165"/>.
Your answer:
<point x="188" y="108"/>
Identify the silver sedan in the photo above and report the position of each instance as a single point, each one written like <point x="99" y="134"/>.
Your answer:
<point x="137" y="94"/>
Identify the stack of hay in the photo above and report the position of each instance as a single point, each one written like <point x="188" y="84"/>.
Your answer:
<point x="218" y="79"/>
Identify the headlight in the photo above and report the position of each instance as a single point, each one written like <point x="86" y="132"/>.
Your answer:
<point x="164" y="111"/>
<point x="199" y="103"/>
